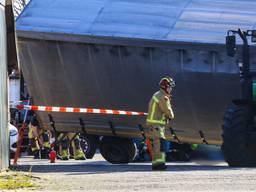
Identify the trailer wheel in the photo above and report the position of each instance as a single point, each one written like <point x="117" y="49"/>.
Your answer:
<point x="89" y="144"/>
<point x="235" y="147"/>
<point x="117" y="150"/>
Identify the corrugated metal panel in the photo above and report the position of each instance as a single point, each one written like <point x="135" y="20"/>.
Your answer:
<point x="4" y="141"/>
<point x="204" y="21"/>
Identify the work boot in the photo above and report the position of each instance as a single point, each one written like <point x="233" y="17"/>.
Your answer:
<point x="64" y="155"/>
<point x="45" y="153"/>
<point x="64" y="158"/>
<point x="79" y="155"/>
<point x="36" y="154"/>
<point x="159" y="167"/>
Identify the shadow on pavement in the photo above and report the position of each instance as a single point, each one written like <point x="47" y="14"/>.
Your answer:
<point x="88" y="168"/>
<point x="207" y="158"/>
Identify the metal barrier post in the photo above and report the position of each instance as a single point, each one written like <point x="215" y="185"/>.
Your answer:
<point x="20" y="137"/>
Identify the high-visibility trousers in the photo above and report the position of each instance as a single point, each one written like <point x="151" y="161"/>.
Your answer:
<point x="158" y="145"/>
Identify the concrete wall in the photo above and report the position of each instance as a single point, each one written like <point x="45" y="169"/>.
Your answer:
<point x="4" y="134"/>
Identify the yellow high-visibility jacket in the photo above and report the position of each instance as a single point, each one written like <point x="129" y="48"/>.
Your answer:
<point x="160" y="109"/>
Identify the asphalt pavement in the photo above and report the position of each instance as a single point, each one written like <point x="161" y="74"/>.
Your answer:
<point x="207" y="171"/>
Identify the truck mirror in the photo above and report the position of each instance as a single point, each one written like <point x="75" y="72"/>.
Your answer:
<point x="231" y="45"/>
<point x="253" y="39"/>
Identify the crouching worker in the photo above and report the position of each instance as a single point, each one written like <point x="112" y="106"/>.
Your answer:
<point x="64" y="141"/>
<point x="159" y="113"/>
<point x="38" y="139"/>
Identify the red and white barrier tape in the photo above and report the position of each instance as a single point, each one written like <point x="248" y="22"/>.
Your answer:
<point x="79" y="110"/>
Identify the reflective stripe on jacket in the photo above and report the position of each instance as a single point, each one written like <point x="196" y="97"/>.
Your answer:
<point x="159" y="109"/>
<point x="30" y="131"/>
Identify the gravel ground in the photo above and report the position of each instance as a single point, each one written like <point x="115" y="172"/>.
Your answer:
<point x="207" y="172"/>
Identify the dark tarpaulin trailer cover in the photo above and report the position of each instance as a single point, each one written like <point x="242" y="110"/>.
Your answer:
<point x="112" y="53"/>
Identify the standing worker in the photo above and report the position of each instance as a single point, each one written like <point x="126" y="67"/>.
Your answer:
<point x="159" y="113"/>
<point x="38" y="139"/>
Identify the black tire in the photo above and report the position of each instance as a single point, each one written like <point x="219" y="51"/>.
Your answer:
<point x="117" y="150"/>
<point x="235" y="147"/>
<point x="89" y="144"/>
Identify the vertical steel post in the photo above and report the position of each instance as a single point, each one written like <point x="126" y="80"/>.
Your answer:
<point x="4" y="132"/>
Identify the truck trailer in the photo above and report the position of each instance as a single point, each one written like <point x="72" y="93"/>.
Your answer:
<point x="112" y="54"/>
